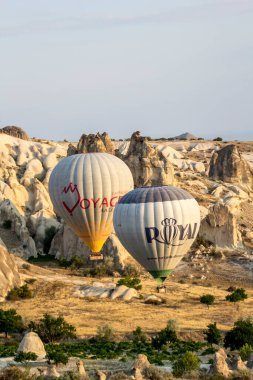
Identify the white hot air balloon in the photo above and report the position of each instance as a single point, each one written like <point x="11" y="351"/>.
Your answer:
<point x="84" y="189"/>
<point x="157" y="225"/>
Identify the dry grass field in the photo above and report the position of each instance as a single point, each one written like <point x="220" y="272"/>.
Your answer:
<point x="54" y="294"/>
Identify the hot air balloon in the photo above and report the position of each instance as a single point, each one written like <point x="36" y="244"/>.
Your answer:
<point x="157" y="225"/>
<point x="84" y="189"/>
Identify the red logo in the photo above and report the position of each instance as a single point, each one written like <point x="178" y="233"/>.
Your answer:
<point x="72" y="189"/>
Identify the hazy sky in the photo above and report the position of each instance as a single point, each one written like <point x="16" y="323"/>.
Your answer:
<point x="159" y="66"/>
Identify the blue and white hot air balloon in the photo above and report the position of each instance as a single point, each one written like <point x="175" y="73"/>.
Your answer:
<point x="157" y="225"/>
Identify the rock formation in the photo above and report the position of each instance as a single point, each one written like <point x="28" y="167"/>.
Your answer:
<point x="220" y="365"/>
<point x="32" y="343"/>
<point x="95" y="143"/>
<point x="220" y="227"/>
<point x="9" y="276"/>
<point x="66" y="245"/>
<point x="147" y="164"/>
<point x="15" y="132"/>
<point x="228" y="165"/>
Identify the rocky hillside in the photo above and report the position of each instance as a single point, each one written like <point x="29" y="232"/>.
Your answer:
<point x="217" y="174"/>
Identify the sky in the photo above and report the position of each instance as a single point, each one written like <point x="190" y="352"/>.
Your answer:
<point x="162" y="67"/>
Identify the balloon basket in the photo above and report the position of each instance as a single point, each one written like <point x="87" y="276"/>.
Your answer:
<point x="96" y="257"/>
<point x="161" y="289"/>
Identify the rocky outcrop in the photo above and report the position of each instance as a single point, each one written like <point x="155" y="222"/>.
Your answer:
<point x="220" y="365"/>
<point x="100" y="290"/>
<point x="17" y="225"/>
<point x="9" y="276"/>
<point x="66" y="244"/>
<point x="15" y="132"/>
<point x="228" y="165"/>
<point x="95" y="143"/>
<point x="32" y="343"/>
<point x="148" y="165"/>
<point x="220" y="227"/>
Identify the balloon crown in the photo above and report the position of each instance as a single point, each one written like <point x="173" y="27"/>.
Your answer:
<point x="169" y="222"/>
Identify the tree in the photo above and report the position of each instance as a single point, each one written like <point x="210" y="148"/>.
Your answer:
<point x="165" y="336"/>
<point x="10" y="322"/>
<point x="245" y="351"/>
<point x="24" y="357"/>
<point x="20" y="293"/>
<point x="241" y="333"/>
<point x="213" y="334"/>
<point x="207" y="299"/>
<point x="218" y="139"/>
<point x="52" y="329"/>
<point x="186" y="363"/>
<point x="237" y="295"/>
<point x="139" y="335"/>
<point x="130" y="282"/>
<point x="55" y="355"/>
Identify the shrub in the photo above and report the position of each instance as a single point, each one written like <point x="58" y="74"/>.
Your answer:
<point x="130" y="271"/>
<point x="14" y="373"/>
<point x="130" y="282"/>
<point x="120" y="376"/>
<point x="10" y="322"/>
<point x="186" y="363"/>
<point x="19" y="293"/>
<point x="105" y="333"/>
<point x="49" y="235"/>
<point x="77" y="262"/>
<point x="218" y="139"/>
<point x="24" y="357"/>
<point x="245" y="351"/>
<point x="72" y="376"/>
<point x="213" y="334"/>
<point x="30" y="281"/>
<point x="154" y="373"/>
<point x="207" y="299"/>
<point x="7" y="224"/>
<point x="55" y="355"/>
<point x="165" y="336"/>
<point x="237" y="295"/>
<point x="241" y="333"/>
<point x="52" y="329"/>
<point x="139" y="335"/>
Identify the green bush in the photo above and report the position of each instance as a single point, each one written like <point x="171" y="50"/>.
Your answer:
<point x="186" y="363"/>
<point x="130" y="271"/>
<point x="212" y="334"/>
<point x="55" y="355"/>
<point x="245" y="351"/>
<point x="77" y="262"/>
<point x="130" y="282"/>
<point x="52" y="329"/>
<point x="207" y="299"/>
<point x="165" y="336"/>
<point x="241" y="334"/>
<point x="24" y="357"/>
<point x="139" y="335"/>
<point x="10" y="322"/>
<point x="49" y="235"/>
<point x="7" y="224"/>
<point x="19" y="293"/>
<point x="237" y="295"/>
<point x="218" y="139"/>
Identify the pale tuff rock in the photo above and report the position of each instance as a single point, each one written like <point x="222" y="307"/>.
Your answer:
<point x="220" y="365"/>
<point x="35" y="169"/>
<point x="101" y="291"/>
<point x="66" y="244"/>
<point x="95" y="143"/>
<point x="15" y="132"/>
<point x="50" y="161"/>
<point x="141" y="362"/>
<point x="147" y="164"/>
<point x="18" y="225"/>
<point x="51" y="371"/>
<point x="31" y="342"/>
<point x="229" y="166"/>
<point x="101" y="375"/>
<point x="80" y="368"/>
<point x="220" y="227"/>
<point x="9" y="276"/>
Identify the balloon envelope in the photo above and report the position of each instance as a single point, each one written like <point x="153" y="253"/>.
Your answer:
<point x="84" y="189"/>
<point x="157" y="225"/>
